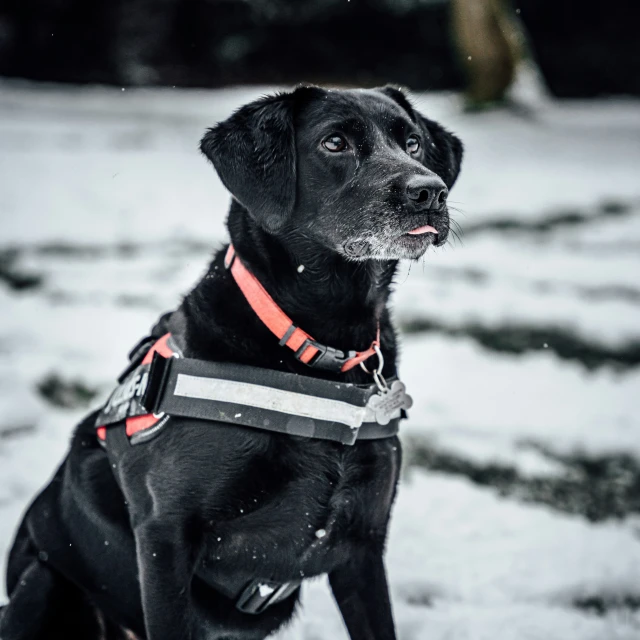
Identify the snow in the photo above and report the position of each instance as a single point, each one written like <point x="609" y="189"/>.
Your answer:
<point x="520" y="398"/>
<point x="104" y="194"/>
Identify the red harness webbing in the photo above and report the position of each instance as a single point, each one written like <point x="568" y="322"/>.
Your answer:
<point x="148" y="420"/>
<point x="277" y="321"/>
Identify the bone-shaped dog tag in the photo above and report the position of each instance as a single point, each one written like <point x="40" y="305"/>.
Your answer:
<point x="385" y="403"/>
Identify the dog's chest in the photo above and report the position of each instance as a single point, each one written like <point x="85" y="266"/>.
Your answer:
<point x="309" y="522"/>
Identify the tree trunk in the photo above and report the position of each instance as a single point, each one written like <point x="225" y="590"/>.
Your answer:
<point x="489" y="43"/>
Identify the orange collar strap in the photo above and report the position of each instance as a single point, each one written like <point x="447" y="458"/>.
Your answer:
<point x="306" y="349"/>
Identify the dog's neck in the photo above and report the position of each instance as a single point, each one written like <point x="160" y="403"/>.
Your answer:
<point x="339" y="303"/>
<point x="312" y="284"/>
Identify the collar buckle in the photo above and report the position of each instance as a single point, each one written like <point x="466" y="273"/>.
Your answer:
<point x="328" y="358"/>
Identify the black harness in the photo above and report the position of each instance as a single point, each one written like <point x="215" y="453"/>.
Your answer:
<point x="159" y="383"/>
<point x="250" y="397"/>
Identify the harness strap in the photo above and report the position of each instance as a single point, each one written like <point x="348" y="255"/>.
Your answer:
<point x="307" y="350"/>
<point x="247" y="396"/>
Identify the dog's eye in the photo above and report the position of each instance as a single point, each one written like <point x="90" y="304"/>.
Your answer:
<point x="334" y="143"/>
<point x="413" y="144"/>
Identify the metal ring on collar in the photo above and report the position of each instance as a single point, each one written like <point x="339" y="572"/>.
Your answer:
<point x="377" y="372"/>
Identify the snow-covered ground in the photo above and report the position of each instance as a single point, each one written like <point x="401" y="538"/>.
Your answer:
<point x="517" y="516"/>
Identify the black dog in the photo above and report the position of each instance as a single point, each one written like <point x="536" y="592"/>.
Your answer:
<point x="330" y="189"/>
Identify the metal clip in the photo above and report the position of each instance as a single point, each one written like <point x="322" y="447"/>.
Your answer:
<point x="258" y="595"/>
<point x="381" y="383"/>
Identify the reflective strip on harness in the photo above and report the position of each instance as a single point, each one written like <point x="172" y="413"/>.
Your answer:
<point x="260" y="397"/>
<point x="266" y="399"/>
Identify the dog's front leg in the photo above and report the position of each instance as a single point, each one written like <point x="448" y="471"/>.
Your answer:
<point x="360" y="589"/>
<point x="165" y="564"/>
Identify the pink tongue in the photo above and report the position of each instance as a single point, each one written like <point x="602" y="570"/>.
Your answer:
<point x="426" y="229"/>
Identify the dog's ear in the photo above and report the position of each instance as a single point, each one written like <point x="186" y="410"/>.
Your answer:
<point x="448" y="150"/>
<point x="443" y="150"/>
<point x="254" y="153"/>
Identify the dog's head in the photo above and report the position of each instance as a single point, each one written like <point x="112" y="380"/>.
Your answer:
<point x="359" y="171"/>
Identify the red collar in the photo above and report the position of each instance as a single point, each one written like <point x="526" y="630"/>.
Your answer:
<point x="306" y="349"/>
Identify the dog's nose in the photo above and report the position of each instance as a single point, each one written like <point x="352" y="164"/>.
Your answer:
<point x="427" y="191"/>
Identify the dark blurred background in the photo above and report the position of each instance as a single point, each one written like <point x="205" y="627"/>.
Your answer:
<point x="583" y="48"/>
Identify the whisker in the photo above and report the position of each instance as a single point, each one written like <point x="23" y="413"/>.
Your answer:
<point x="456" y="236"/>
<point x="460" y="211"/>
<point x="408" y="272"/>
<point x="457" y="226"/>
